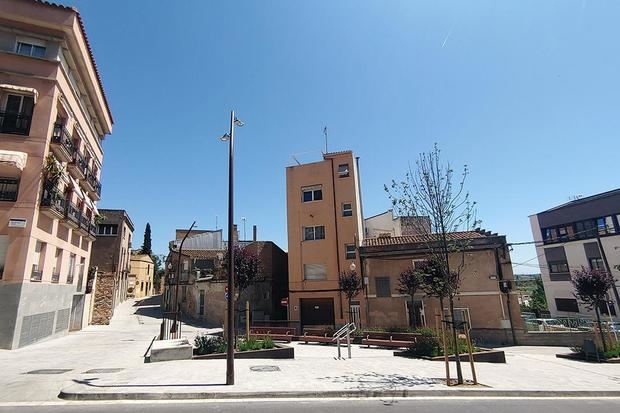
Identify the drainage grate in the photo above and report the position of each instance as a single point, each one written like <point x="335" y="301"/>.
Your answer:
<point x="102" y="371"/>
<point x="265" y="368"/>
<point x="48" y="371"/>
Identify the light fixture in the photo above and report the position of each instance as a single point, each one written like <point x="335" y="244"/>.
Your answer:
<point x="239" y="123"/>
<point x="352" y="266"/>
<point x="225" y="137"/>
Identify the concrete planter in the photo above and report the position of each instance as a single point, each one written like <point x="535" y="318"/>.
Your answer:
<point x="279" y="352"/>
<point x="484" y="356"/>
<point x="582" y="357"/>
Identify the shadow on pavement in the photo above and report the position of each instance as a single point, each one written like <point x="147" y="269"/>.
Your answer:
<point x="367" y="381"/>
<point x="153" y="300"/>
<point x="90" y="383"/>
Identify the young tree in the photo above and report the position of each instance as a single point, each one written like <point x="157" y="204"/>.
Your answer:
<point x="158" y="270"/>
<point x="146" y="246"/>
<point x="248" y="268"/>
<point x="591" y="287"/>
<point x="351" y="285"/>
<point x="409" y="282"/>
<point x="538" y="300"/>
<point x="439" y="201"/>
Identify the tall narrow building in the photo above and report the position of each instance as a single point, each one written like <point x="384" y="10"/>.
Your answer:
<point x="53" y="117"/>
<point x="324" y="232"/>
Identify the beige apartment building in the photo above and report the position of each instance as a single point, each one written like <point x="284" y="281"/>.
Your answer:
<point x="53" y="117"/>
<point x="324" y="231"/>
<point x="140" y="282"/>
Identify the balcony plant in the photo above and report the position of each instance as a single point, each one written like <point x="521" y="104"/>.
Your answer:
<point x="99" y="218"/>
<point x="52" y="171"/>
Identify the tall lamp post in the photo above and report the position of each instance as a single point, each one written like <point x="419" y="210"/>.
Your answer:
<point x="230" y="312"/>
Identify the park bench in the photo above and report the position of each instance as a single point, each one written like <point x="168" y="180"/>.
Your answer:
<point x="275" y="333"/>
<point x="393" y="340"/>
<point x="317" y="335"/>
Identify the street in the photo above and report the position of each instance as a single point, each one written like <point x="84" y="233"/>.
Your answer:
<point x="443" y="405"/>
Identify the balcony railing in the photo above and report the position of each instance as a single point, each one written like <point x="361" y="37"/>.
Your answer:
<point x="92" y="229"/>
<point x="72" y="213"/>
<point x="84" y="223"/>
<point x="15" y="123"/>
<point x="93" y="183"/>
<point x="53" y="200"/>
<point x="36" y="275"/>
<point x="70" y="279"/>
<point x="55" y="277"/>
<point x="78" y="164"/>
<point x="62" y="139"/>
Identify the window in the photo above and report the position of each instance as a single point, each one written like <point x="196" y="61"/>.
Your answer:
<point x="558" y="266"/>
<point x="586" y="229"/>
<point x="343" y="170"/>
<point x="312" y="193"/>
<point x="201" y="305"/>
<point x="28" y="49"/>
<point x="107" y="229"/>
<point x="314" y="233"/>
<point x="349" y="251"/>
<point x="382" y="286"/>
<point x="71" y="269"/>
<point x="17" y="114"/>
<point x="563" y="233"/>
<point x="8" y="189"/>
<point x="567" y="304"/>
<point x="418" y="263"/>
<point x="313" y="272"/>
<point x="347" y="209"/>
<point x="597" y="264"/>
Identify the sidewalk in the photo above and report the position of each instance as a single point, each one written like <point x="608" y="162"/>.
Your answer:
<point x="529" y="371"/>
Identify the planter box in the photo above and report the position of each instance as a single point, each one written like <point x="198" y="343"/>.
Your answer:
<point x="485" y="356"/>
<point x="279" y="352"/>
<point x="582" y="357"/>
<point x="166" y="350"/>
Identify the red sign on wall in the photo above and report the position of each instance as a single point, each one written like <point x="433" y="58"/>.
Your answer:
<point x="284" y="302"/>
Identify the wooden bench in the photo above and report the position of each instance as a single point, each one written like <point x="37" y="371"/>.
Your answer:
<point x="392" y="340"/>
<point x="316" y="335"/>
<point x="275" y="333"/>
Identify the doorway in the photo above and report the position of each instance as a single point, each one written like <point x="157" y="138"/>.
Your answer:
<point x="317" y="312"/>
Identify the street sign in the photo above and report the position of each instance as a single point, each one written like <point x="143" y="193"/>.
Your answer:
<point x="226" y="289"/>
<point x="284" y="302"/>
<point x="226" y="296"/>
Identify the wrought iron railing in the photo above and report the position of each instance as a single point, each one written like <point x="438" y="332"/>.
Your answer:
<point x="79" y="162"/>
<point x="52" y="198"/>
<point x="93" y="181"/>
<point x="15" y="123"/>
<point x="8" y="189"/>
<point x="72" y="213"/>
<point x="61" y="136"/>
<point x="70" y="278"/>
<point x="55" y="277"/>
<point x="36" y="275"/>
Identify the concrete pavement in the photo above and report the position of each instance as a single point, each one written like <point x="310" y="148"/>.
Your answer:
<point x="106" y="362"/>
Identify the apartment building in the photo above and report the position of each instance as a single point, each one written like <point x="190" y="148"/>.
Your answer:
<point x="140" y="280"/>
<point x="53" y="117"/>
<point x="110" y="257"/>
<point x="324" y="231"/>
<point x="491" y="309"/>
<point x="584" y="232"/>
<point x="387" y="223"/>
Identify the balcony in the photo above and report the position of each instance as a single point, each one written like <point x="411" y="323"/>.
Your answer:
<point x="52" y="203"/>
<point x="15" y="123"/>
<point x="84" y="225"/>
<point x="70" y="279"/>
<point x="93" y="185"/>
<point x="61" y="144"/>
<point x="72" y="215"/>
<point x="36" y="275"/>
<point x="78" y="166"/>
<point x="55" y="278"/>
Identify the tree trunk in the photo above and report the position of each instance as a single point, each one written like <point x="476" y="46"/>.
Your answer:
<point x="457" y="358"/>
<point x="412" y="320"/>
<point x="600" y="327"/>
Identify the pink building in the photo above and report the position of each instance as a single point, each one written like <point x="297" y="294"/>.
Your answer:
<point x="53" y="117"/>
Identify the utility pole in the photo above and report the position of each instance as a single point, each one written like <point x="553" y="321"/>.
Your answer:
<point x="176" y="293"/>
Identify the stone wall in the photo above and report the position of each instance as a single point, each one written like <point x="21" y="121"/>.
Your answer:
<point x="103" y="307"/>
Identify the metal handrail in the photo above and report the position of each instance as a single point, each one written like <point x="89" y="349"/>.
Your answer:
<point x="346" y="330"/>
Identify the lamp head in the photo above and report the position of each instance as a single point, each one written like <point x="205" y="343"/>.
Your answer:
<point x="225" y="137"/>
<point x="239" y="123"/>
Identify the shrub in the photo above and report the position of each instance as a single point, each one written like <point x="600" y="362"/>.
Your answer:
<point x="426" y="346"/>
<point x="249" y="344"/>
<point x="205" y="344"/>
<point x="268" y="343"/>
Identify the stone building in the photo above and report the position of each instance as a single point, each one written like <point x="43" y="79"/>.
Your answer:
<point x="111" y="256"/>
<point x="140" y="282"/>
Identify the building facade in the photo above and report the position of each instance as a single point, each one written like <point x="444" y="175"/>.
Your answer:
<point x="111" y="255"/>
<point x="53" y="117"/>
<point x="324" y="231"/>
<point x="491" y="312"/>
<point x="584" y="232"/>
<point x="140" y="281"/>
<point x="387" y="223"/>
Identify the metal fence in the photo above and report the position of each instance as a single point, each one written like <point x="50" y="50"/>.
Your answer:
<point x="168" y="329"/>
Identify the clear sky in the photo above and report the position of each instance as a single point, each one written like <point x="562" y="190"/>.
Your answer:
<point x="524" y="92"/>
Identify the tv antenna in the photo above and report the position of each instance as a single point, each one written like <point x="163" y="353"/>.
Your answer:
<point x="325" y="135"/>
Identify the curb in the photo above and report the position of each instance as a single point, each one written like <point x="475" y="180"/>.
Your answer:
<point x="346" y="394"/>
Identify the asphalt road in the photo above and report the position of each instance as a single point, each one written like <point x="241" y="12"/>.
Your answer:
<point x="438" y="405"/>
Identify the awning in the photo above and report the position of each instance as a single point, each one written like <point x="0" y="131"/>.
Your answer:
<point x="91" y="205"/>
<point x="17" y="159"/>
<point x="76" y="187"/>
<point x="21" y="89"/>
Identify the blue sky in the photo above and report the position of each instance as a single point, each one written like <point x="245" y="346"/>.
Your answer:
<point x="524" y="92"/>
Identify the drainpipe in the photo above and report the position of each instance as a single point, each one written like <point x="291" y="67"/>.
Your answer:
<point x="500" y="274"/>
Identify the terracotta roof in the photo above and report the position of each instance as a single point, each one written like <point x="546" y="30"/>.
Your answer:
<point x="90" y="50"/>
<point x="328" y="154"/>
<point x="419" y="238"/>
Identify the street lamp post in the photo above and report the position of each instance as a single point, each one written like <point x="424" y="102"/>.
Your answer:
<point x="230" y="312"/>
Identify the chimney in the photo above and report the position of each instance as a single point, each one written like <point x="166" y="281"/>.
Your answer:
<point x="235" y="234"/>
<point x="254" y="231"/>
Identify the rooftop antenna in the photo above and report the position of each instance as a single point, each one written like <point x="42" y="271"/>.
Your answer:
<point x="325" y="134"/>
<point x="216" y="222"/>
<point x="295" y="159"/>
<point x="575" y="197"/>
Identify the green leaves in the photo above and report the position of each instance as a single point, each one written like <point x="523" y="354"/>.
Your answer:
<point x="350" y="284"/>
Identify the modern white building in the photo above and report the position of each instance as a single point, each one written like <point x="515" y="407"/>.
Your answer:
<point x="570" y="236"/>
